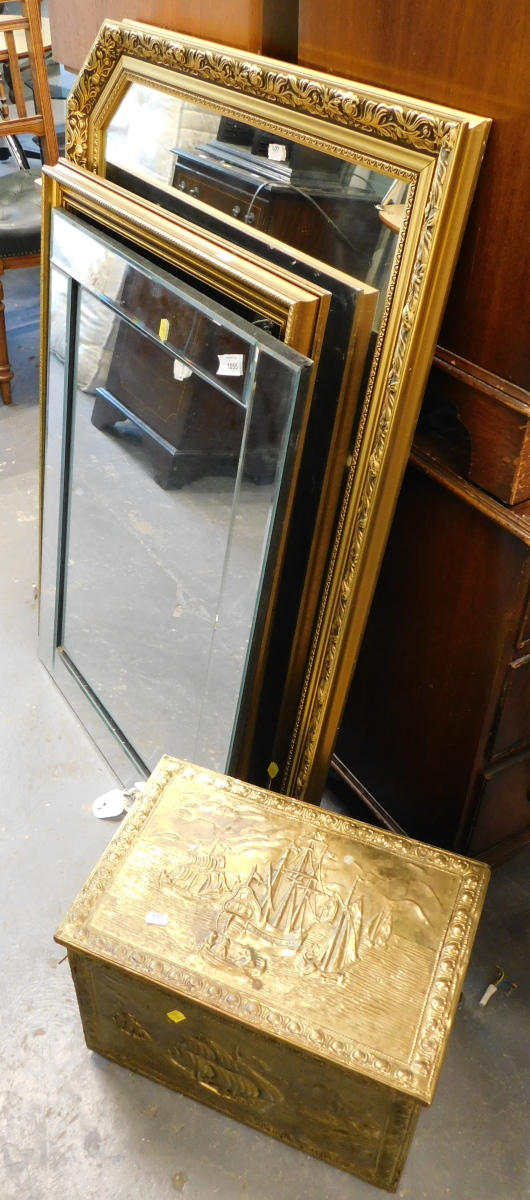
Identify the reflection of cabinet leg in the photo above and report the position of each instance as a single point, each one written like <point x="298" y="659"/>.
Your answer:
<point x="171" y="468"/>
<point x="104" y="413"/>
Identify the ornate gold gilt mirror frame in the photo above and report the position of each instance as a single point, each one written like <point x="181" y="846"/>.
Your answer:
<point x="436" y="153"/>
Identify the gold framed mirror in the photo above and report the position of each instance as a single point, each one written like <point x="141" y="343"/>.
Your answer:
<point x="346" y="174"/>
<point x="122" y="352"/>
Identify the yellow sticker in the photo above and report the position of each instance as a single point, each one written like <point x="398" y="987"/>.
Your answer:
<point x="163" y="329"/>
<point x="176" y="1016"/>
<point x="272" y="770"/>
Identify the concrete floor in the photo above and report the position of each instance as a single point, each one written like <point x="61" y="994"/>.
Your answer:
<point x="72" y="1124"/>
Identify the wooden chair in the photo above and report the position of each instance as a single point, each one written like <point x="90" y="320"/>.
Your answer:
<point x="19" y="201"/>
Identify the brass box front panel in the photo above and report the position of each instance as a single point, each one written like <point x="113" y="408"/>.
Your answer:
<point x="319" y="1107"/>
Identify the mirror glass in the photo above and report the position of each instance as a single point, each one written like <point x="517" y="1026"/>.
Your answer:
<point x="177" y="423"/>
<point x="345" y="215"/>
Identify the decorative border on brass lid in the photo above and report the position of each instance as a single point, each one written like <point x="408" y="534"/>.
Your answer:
<point x="416" y="1077"/>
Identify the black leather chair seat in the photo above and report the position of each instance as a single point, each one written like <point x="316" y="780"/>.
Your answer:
<point x="20" y="214"/>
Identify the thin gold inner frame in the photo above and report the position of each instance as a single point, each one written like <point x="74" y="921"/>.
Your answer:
<point x="439" y="150"/>
<point x="299" y="309"/>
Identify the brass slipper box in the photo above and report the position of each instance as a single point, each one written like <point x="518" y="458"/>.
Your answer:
<point x="294" y="969"/>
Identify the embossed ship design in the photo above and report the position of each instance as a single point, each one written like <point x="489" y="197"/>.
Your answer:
<point x="202" y="873"/>
<point x="287" y="909"/>
<point x="227" y="1074"/>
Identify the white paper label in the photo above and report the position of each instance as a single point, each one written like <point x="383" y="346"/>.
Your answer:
<point x="180" y="370"/>
<point x="154" y="918"/>
<point x="278" y="153"/>
<point x="230" y="364"/>
<point x="111" y="804"/>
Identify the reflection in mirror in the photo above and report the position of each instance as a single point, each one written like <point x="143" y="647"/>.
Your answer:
<point x="341" y="213"/>
<point x="173" y="470"/>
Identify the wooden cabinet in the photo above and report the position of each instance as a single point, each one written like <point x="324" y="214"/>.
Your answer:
<point x="513" y="728"/>
<point x="503" y="811"/>
<point x="301" y="217"/>
<point x="191" y="425"/>
<point x="437" y="724"/>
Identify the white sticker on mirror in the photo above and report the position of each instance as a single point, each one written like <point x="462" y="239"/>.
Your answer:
<point x="277" y="152"/>
<point x="231" y="364"/>
<point x="180" y="370"/>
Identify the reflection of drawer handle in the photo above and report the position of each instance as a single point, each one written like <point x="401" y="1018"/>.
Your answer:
<point x="249" y="219"/>
<point x="236" y="210"/>
<point x="182" y="186"/>
<point x="194" y="191"/>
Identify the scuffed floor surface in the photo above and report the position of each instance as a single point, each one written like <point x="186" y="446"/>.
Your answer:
<point x="74" y="1126"/>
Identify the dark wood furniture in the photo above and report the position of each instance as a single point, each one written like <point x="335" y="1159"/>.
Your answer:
<point x="301" y="216"/>
<point x="496" y="416"/>
<point x="437" y="724"/>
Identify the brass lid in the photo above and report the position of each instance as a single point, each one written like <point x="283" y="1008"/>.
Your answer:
<point x="345" y="940"/>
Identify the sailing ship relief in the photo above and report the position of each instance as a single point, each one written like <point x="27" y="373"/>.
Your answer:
<point x="202" y="874"/>
<point x="227" y="1074"/>
<point x="284" y="909"/>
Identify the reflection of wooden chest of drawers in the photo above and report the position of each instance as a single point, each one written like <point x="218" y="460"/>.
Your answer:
<point x="190" y="427"/>
<point x="437" y="725"/>
<point x="335" y="223"/>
